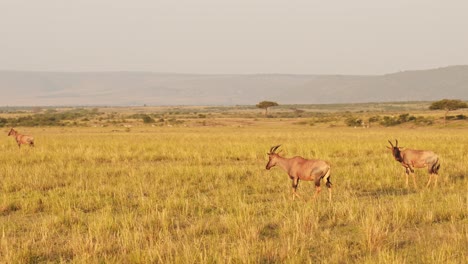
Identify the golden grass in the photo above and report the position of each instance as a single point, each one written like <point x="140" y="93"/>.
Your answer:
<point x="202" y="195"/>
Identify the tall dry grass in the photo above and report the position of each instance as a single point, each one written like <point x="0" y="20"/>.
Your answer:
<point x="202" y="195"/>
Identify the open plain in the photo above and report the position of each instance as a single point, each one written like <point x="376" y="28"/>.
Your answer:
<point x="201" y="194"/>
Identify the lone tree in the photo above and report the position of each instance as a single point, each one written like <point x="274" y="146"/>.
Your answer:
<point x="447" y="105"/>
<point x="266" y="104"/>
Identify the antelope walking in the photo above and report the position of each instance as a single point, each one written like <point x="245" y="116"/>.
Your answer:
<point x="299" y="168"/>
<point x="410" y="159"/>
<point x="21" y="139"/>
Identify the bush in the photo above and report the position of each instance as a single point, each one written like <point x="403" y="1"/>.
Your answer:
<point x="374" y="119"/>
<point x="148" y="119"/>
<point x="405" y="118"/>
<point x="421" y="120"/>
<point x="389" y="121"/>
<point x="353" y="121"/>
<point x="3" y="122"/>
<point x="457" y="117"/>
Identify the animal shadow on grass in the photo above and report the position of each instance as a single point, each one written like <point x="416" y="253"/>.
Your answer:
<point x="387" y="191"/>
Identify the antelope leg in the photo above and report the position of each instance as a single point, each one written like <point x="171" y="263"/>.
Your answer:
<point x="295" y="195"/>
<point x="414" y="180"/>
<point x="429" y="181"/>
<point x="294" y="185"/>
<point x="317" y="191"/>
<point x="407" y="176"/>
<point x="436" y="176"/>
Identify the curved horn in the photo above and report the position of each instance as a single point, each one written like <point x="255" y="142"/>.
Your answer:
<point x="396" y="143"/>
<point x="277" y="147"/>
<point x="274" y="148"/>
<point x="390" y="143"/>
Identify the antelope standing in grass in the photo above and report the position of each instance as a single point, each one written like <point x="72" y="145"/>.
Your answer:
<point x="410" y="159"/>
<point x="299" y="168"/>
<point x="21" y="139"/>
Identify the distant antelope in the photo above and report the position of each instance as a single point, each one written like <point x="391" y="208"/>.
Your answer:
<point x="299" y="168"/>
<point x="410" y="158"/>
<point x="21" y="139"/>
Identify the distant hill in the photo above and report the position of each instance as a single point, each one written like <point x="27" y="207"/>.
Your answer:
<point x="137" y="88"/>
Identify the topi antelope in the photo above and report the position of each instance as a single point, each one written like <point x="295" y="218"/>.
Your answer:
<point x="410" y="158"/>
<point x="21" y="139"/>
<point x="299" y="168"/>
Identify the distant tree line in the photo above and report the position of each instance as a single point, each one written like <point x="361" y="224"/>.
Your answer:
<point x="388" y="121"/>
<point x="49" y="118"/>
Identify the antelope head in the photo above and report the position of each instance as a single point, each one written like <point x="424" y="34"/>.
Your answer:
<point x="12" y="132"/>
<point x="395" y="150"/>
<point x="272" y="157"/>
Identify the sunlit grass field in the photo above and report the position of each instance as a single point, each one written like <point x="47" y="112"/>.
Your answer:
<point x="202" y="195"/>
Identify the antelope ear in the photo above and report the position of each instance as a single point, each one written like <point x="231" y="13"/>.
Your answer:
<point x="389" y="147"/>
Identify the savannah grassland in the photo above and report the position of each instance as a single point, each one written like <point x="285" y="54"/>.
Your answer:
<point x="201" y="194"/>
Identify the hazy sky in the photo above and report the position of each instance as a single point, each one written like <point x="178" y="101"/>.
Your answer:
<point x="233" y="36"/>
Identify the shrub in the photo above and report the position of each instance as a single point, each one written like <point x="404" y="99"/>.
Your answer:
<point x="389" y="121"/>
<point x="3" y="122"/>
<point x="374" y="119"/>
<point x="353" y="121"/>
<point x="405" y="118"/>
<point x="457" y="117"/>
<point x="148" y="119"/>
<point x="421" y="120"/>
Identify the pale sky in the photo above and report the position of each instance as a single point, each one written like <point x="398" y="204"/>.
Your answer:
<point x="233" y="36"/>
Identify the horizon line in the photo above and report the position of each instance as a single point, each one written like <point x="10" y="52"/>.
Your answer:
<point x="221" y="74"/>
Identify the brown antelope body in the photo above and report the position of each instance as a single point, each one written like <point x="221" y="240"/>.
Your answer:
<point x="410" y="159"/>
<point x="299" y="168"/>
<point x="21" y="139"/>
